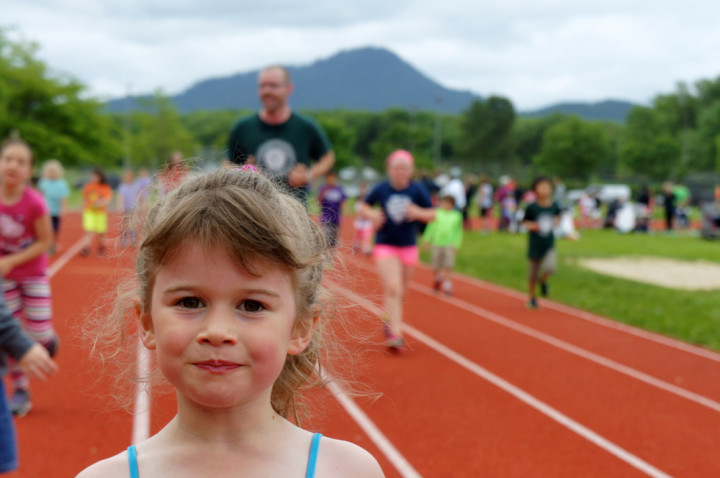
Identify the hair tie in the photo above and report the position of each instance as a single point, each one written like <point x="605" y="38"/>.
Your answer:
<point x="246" y="167"/>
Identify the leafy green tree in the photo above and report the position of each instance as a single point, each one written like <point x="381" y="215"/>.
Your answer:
<point x="51" y="112"/>
<point x="210" y="129"/>
<point x="485" y="130"/>
<point x="527" y="136"/>
<point x="157" y="131"/>
<point x="342" y="138"/>
<point x="649" y="149"/>
<point x="573" y="148"/>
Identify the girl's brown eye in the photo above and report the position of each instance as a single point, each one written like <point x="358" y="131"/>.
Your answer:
<point x="190" y="302"/>
<point x="252" y="306"/>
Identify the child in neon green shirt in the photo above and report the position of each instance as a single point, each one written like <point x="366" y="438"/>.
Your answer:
<point x="445" y="235"/>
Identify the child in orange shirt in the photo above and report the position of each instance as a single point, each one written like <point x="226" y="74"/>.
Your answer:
<point x="96" y="197"/>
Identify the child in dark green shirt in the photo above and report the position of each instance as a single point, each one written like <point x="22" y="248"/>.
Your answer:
<point x="541" y="218"/>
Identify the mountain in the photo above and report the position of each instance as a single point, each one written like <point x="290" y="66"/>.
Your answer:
<point x="371" y="79"/>
<point x="610" y="110"/>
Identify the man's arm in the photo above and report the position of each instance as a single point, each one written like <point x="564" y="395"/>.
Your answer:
<point x="301" y="175"/>
<point x="324" y="164"/>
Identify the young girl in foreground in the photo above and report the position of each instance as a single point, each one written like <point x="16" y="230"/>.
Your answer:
<point x="229" y="299"/>
<point x="402" y="204"/>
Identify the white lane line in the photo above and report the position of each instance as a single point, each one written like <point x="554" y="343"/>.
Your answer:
<point x="517" y="392"/>
<point x="589" y="317"/>
<point x="574" y="349"/>
<point x="64" y="258"/>
<point x="141" y="409"/>
<point x="373" y="432"/>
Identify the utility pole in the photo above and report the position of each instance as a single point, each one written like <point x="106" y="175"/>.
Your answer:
<point x="413" y="125"/>
<point x="127" y="143"/>
<point x="437" y="141"/>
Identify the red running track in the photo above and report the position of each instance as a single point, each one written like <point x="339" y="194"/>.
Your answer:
<point x="488" y="388"/>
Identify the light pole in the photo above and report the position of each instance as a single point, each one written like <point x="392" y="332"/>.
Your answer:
<point x="127" y="127"/>
<point x="437" y="141"/>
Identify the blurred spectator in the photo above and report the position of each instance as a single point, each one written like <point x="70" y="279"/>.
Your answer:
<point x="485" y="202"/>
<point x="506" y="198"/>
<point x="471" y="187"/>
<point x="559" y="192"/>
<point x="682" y="203"/>
<point x="669" y="202"/>
<point x="644" y="209"/>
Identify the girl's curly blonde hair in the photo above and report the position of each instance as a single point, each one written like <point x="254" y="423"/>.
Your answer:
<point x="254" y="220"/>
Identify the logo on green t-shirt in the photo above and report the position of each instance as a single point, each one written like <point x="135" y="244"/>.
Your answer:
<point x="545" y="224"/>
<point x="276" y="157"/>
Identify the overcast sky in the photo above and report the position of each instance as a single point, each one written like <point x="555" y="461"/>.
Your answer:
<point x="536" y="52"/>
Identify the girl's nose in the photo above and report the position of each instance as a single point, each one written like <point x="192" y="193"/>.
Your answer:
<point x="220" y="328"/>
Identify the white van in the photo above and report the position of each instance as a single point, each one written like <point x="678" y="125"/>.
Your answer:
<point x="608" y="193"/>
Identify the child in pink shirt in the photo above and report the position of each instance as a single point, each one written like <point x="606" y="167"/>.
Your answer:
<point x="25" y="237"/>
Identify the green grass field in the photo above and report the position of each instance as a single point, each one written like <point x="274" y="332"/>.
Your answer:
<point x="690" y="316"/>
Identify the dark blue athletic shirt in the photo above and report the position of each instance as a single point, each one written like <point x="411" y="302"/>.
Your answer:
<point x="397" y="231"/>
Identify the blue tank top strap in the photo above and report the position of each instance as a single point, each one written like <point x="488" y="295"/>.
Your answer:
<point x="132" y="461"/>
<point x="312" y="459"/>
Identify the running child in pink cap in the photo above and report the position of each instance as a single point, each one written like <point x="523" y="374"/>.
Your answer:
<point x="403" y="205"/>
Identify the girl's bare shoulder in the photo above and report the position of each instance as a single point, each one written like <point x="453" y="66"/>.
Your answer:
<point x="113" y="467"/>
<point x="342" y="458"/>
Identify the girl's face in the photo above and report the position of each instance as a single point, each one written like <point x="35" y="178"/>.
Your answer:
<point x="15" y="165"/>
<point x="221" y="334"/>
<point x="400" y="172"/>
<point x="94" y="178"/>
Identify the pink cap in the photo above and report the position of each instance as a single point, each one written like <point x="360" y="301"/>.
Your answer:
<point x="400" y="155"/>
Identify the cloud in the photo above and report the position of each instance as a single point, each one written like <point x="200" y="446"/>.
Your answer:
<point x="536" y="53"/>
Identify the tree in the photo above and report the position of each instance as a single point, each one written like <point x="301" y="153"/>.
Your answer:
<point x="211" y="129"/>
<point x="157" y="131"/>
<point x="51" y="112"/>
<point x="342" y="139"/>
<point x="527" y="136"/>
<point x="572" y="148"/>
<point x="485" y="130"/>
<point x="649" y="149"/>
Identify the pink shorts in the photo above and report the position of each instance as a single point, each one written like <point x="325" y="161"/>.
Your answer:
<point x="408" y="255"/>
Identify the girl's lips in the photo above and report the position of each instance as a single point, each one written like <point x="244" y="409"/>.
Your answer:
<point x="217" y="366"/>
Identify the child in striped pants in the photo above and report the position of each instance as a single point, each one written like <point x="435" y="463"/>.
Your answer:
<point x="25" y="236"/>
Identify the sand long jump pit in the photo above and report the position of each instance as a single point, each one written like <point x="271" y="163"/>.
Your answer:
<point x="670" y="273"/>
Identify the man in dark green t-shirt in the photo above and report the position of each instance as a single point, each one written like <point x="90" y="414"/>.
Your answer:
<point x="283" y="144"/>
<point x="541" y="218"/>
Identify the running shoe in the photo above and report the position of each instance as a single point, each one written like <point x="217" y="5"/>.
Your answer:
<point x="396" y="344"/>
<point x="393" y="341"/>
<point x="85" y="251"/>
<point x="544" y="289"/>
<point x="101" y="251"/>
<point x="20" y="403"/>
<point x="532" y="304"/>
<point x="447" y="287"/>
